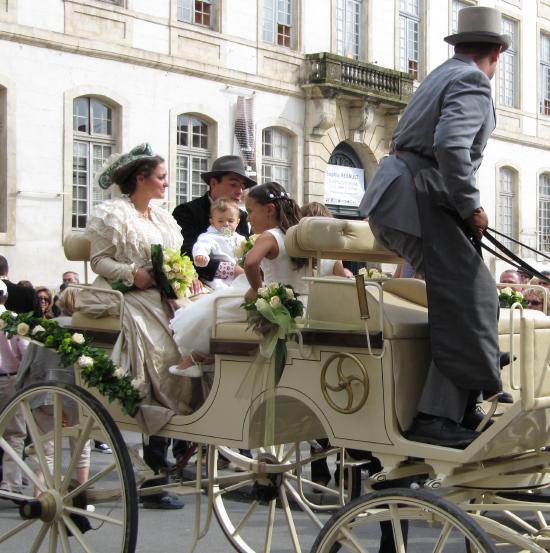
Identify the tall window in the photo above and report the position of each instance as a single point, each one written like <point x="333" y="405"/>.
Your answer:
<point x="348" y="28"/>
<point x="192" y="157"/>
<point x="276" y="157"/>
<point x="93" y="143"/>
<point x="508" y="82"/>
<point x="545" y="74"/>
<point x="3" y="160"/>
<point x="409" y="37"/>
<point x="544" y="213"/>
<point x="277" y="27"/>
<point x="507" y="205"/>
<point x="199" y="12"/>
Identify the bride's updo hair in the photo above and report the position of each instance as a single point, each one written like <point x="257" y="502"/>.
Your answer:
<point x="126" y="176"/>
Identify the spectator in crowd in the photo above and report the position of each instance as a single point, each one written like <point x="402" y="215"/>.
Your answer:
<point x="25" y="283"/>
<point x="534" y="298"/>
<point x="45" y="301"/>
<point x="68" y="277"/>
<point x="510" y="276"/>
<point x="20" y="298"/>
<point x="11" y="354"/>
<point x="524" y="276"/>
<point x="543" y="282"/>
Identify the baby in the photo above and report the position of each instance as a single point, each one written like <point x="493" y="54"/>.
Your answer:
<point x="220" y="241"/>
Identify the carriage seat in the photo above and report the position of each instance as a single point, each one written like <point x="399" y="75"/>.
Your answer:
<point x="77" y="248"/>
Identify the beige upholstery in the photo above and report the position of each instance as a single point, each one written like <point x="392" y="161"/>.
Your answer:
<point x="327" y="238"/>
<point x="77" y="247"/>
<point x="79" y="320"/>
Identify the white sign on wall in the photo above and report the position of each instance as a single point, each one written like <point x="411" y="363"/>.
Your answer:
<point x="344" y="185"/>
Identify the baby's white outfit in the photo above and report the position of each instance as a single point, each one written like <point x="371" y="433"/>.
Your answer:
<point x="219" y="245"/>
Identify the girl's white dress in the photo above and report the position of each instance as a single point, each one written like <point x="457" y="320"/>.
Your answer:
<point x="192" y="324"/>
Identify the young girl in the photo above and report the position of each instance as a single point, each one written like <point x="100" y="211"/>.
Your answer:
<point x="271" y="212"/>
<point x="220" y="239"/>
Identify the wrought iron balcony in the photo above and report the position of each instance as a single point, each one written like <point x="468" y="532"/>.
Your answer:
<point x="357" y="78"/>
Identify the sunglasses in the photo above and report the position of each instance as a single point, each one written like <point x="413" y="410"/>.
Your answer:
<point x="534" y="302"/>
<point x="44" y="298"/>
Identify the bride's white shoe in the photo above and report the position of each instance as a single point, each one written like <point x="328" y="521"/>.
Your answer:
<point x="193" y="371"/>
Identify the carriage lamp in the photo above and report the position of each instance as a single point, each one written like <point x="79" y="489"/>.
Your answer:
<point x="362" y="296"/>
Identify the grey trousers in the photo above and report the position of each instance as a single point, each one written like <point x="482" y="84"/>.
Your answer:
<point x="441" y="397"/>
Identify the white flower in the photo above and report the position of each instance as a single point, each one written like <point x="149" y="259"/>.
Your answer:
<point x="363" y="271"/>
<point x="84" y="361"/>
<point x="261" y="304"/>
<point x="176" y="285"/>
<point x="507" y="291"/>
<point x="289" y="293"/>
<point x="78" y="338"/>
<point x="275" y="301"/>
<point x="37" y="329"/>
<point x="23" y="329"/>
<point x="519" y="295"/>
<point x="263" y="292"/>
<point x="139" y="385"/>
<point x="120" y="372"/>
<point x="166" y="268"/>
<point x="272" y="286"/>
<point x="3" y="324"/>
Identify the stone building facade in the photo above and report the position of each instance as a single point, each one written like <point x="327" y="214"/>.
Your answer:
<point x="320" y="83"/>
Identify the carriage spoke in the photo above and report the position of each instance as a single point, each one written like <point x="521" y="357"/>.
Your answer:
<point x="53" y="539"/>
<point x="245" y="518"/>
<point x="541" y="520"/>
<point x="57" y="450"/>
<point x="75" y="456"/>
<point x="314" y="518"/>
<point x="21" y="464"/>
<point x="233" y="487"/>
<point x="7" y="535"/>
<point x="443" y="537"/>
<point x="521" y="522"/>
<point x="93" y="515"/>
<point x="280" y="451"/>
<point x="397" y="530"/>
<point x="79" y="536"/>
<point x="269" y="526"/>
<point x="39" y="538"/>
<point x="290" y="520"/>
<point x="37" y="443"/>
<point x="90" y="481"/>
<point x="64" y="537"/>
<point x="289" y="453"/>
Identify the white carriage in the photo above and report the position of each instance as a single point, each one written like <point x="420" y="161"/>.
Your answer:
<point x="348" y="378"/>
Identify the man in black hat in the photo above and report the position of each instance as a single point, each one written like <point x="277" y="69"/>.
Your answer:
<point x="423" y="203"/>
<point x="226" y="179"/>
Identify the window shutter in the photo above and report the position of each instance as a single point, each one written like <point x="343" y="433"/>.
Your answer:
<point x="185" y="10"/>
<point x="269" y="21"/>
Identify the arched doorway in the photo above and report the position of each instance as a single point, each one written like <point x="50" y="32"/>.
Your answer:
<point x="344" y="189"/>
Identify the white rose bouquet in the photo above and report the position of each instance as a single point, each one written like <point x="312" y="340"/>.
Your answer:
<point x="244" y="248"/>
<point x="173" y="272"/>
<point x="372" y="274"/>
<point x="273" y="314"/>
<point x="508" y="296"/>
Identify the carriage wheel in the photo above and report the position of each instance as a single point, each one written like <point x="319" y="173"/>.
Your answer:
<point x="275" y="491"/>
<point x="56" y="511"/>
<point x="516" y="519"/>
<point x="409" y="517"/>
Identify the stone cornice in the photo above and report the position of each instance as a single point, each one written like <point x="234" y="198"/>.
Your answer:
<point x="163" y="62"/>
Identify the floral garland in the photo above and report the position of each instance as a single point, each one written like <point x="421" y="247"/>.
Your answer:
<point x="373" y="274"/>
<point x="508" y="297"/>
<point x="96" y="369"/>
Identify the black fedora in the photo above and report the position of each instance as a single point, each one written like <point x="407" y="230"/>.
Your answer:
<point x="228" y="164"/>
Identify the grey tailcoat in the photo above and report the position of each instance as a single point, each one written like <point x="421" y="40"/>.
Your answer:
<point x="427" y="190"/>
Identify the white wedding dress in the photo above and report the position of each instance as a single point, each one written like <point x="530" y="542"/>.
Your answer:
<point x="192" y="324"/>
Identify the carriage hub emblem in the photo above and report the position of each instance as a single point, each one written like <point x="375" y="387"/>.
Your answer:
<point x="344" y="388"/>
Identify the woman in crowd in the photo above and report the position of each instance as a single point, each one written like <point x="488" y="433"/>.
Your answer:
<point x="271" y="212"/>
<point x="45" y="301"/>
<point x="121" y="232"/>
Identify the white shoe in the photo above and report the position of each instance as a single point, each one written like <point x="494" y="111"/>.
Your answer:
<point x="194" y="371"/>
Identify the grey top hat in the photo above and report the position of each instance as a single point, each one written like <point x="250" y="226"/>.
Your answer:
<point x="228" y="164"/>
<point x="479" y="24"/>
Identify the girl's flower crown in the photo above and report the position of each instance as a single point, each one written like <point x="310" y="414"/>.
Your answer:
<point x="279" y="196"/>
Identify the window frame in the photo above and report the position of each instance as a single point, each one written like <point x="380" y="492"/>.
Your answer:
<point x="513" y="52"/>
<point x="90" y="140"/>
<point x="276" y="25"/>
<point x="191" y="153"/>
<point x="8" y="185"/>
<point x="214" y="11"/>
<point x="342" y="29"/>
<point x="540" y="199"/>
<point x="544" y="67"/>
<point x="402" y="50"/>
<point x="512" y="229"/>
<point x="278" y="163"/>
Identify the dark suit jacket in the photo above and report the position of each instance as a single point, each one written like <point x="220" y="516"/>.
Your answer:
<point x="22" y="299"/>
<point x="193" y="218"/>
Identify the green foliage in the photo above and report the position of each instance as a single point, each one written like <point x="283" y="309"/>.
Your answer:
<point x="96" y="369"/>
